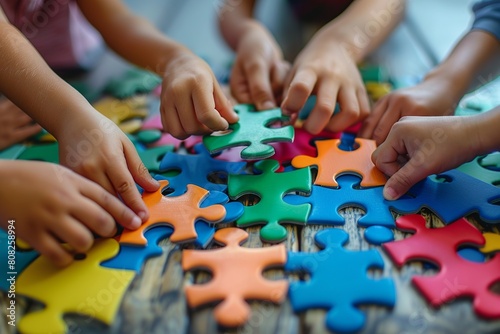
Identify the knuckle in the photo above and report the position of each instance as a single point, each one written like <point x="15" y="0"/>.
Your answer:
<point x="325" y="108"/>
<point x="124" y="187"/>
<point x="299" y="87"/>
<point x="105" y="225"/>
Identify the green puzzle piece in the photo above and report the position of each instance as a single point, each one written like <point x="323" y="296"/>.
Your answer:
<point x="135" y="81"/>
<point x="251" y="130"/>
<point x="491" y="161"/>
<point x="271" y="209"/>
<point x="475" y="169"/>
<point x="12" y="152"/>
<point x="41" y="152"/>
<point x="152" y="157"/>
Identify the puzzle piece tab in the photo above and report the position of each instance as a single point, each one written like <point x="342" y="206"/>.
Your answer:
<point x="196" y="169"/>
<point x="326" y="203"/>
<point x="180" y="212"/>
<point x="84" y="287"/>
<point x="457" y="196"/>
<point x="457" y="277"/>
<point x="271" y="210"/>
<point x="236" y="276"/>
<point x="251" y="130"/>
<point x="331" y="162"/>
<point x="339" y="281"/>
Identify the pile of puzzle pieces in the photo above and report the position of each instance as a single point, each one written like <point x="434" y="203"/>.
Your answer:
<point x="263" y="173"/>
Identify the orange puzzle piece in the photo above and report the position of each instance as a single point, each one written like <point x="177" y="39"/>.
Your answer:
<point x="237" y="276"/>
<point x="180" y="212"/>
<point x="332" y="162"/>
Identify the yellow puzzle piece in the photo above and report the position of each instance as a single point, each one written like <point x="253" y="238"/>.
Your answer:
<point x="377" y="90"/>
<point x="84" y="287"/>
<point x="127" y="114"/>
<point x="492" y="243"/>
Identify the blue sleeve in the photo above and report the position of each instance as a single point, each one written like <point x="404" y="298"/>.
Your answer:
<point x="487" y="17"/>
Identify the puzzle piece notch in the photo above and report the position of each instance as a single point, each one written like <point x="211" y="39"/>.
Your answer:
<point x="458" y="196"/>
<point x="271" y="187"/>
<point x="180" y="212"/>
<point x="84" y="287"/>
<point x="331" y="162"/>
<point x="236" y="276"/>
<point x="326" y="202"/>
<point x="475" y="169"/>
<point x="458" y="277"/>
<point x="251" y="130"/>
<point x="195" y="169"/>
<point x="339" y="281"/>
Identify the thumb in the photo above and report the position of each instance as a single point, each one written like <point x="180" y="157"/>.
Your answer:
<point x="401" y="181"/>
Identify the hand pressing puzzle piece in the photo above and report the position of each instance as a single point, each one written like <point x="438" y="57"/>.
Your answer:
<point x="331" y="162"/>
<point x="326" y="203"/>
<point x="180" y="212"/>
<point x="339" y="281"/>
<point x="236" y="276"/>
<point x="457" y="196"/>
<point x="251" y="130"/>
<point x="457" y="277"/>
<point x="84" y="287"/>
<point x="271" y="210"/>
<point x="196" y="169"/>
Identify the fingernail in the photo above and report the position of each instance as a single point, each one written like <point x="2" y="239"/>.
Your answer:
<point x="136" y="222"/>
<point x="390" y="194"/>
<point x="268" y="105"/>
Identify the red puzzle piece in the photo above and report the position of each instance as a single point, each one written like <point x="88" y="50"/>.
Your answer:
<point x="331" y="162"/>
<point x="237" y="276"/>
<point x="458" y="277"/>
<point x="180" y="212"/>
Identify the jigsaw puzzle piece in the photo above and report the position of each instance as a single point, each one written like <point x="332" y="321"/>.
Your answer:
<point x="84" y="288"/>
<point x="179" y="212"/>
<point x="492" y="243"/>
<point x="12" y="262"/>
<point x="196" y="169"/>
<point x="326" y="202"/>
<point x="457" y="277"/>
<point x="127" y="114"/>
<point x="475" y="169"/>
<point x="133" y="257"/>
<point x="339" y="281"/>
<point x="152" y="157"/>
<point x="271" y="187"/>
<point x="378" y="235"/>
<point x="251" y="130"/>
<point x="12" y="152"/>
<point x="491" y="161"/>
<point x="236" y="276"/>
<point x="457" y="196"/>
<point x="42" y="152"/>
<point x="331" y="162"/>
<point x="134" y="81"/>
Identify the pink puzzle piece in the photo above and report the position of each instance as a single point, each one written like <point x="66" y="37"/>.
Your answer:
<point x="154" y="123"/>
<point x="457" y="276"/>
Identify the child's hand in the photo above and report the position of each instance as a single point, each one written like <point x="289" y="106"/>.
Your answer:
<point x="429" y="98"/>
<point x="52" y="205"/>
<point x="420" y="146"/>
<point x="259" y="70"/>
<point x="97" y="149"/>
<point x="327" y="71"/>
<point x="192" y="102"/>
<point x="15" y="125"/>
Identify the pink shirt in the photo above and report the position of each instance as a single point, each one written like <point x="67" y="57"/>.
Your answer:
<point x="57" y="29"/>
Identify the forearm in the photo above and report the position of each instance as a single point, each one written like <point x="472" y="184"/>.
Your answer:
<point x="235" y="21"/>
<point x="28" y="81"/>
<point x="363" y="26"/>
<point x="465" y="63"/>
<point x="486" y="127"/>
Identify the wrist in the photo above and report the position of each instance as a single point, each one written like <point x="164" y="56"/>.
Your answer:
<point x="485" y="127"/>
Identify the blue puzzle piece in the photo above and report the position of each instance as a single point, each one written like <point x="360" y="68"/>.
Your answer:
<point x="378" y="235"/>
<point x="206" y="231"/>
<point x="457" y="197"/>
<point x="339" y="281"/>
<point x="22" y="260"/>
<point x="195" y="169"/>
<point x="326" y="202"/>
<point x="472" y="254"/>
<point x="132" y="257"/>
